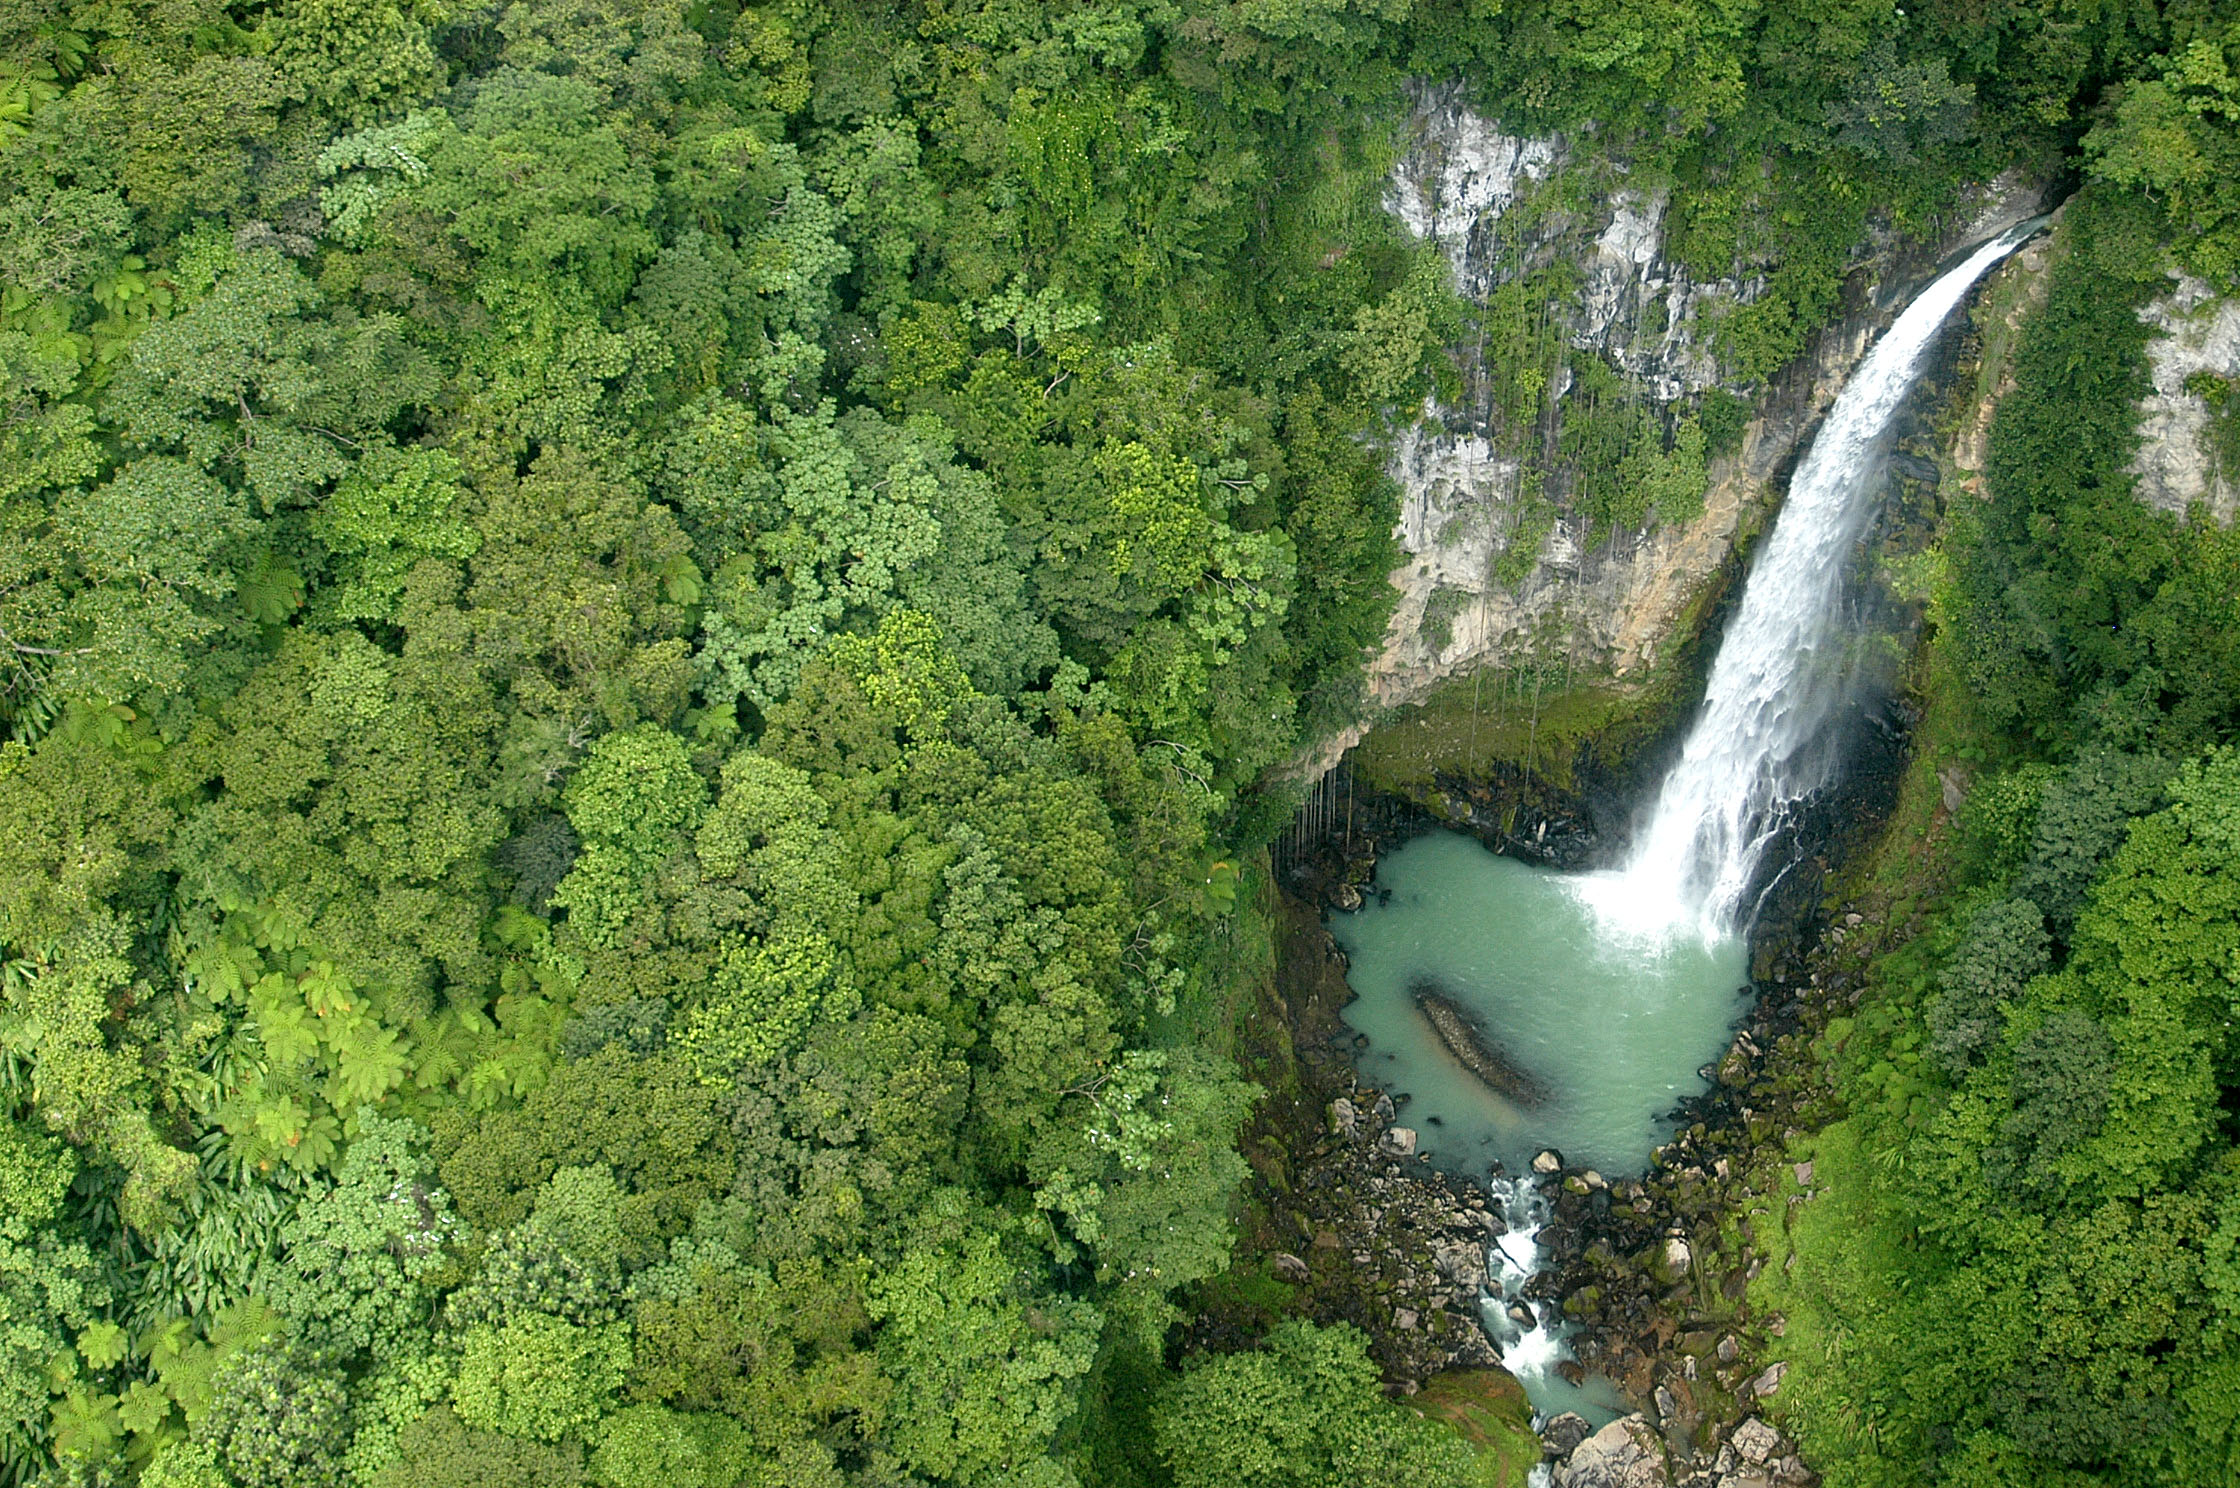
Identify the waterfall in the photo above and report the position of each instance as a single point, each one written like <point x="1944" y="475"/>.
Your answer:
<point x="1762" y="740"/>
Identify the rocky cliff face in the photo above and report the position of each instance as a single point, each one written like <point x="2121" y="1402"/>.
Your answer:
<point x="1503" y="564"/>
<point x="2179" y="461"/>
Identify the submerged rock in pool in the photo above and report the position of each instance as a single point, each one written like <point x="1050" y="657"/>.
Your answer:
<point x="1467" y="1043"/>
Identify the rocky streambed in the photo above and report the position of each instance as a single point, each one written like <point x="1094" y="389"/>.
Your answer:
<point x="1656" y="1274"/>
<point x="1347" y="1213"/>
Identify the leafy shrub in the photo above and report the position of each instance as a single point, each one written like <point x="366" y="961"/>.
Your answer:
<point x="1301" y="1411"/>
<point x="2004" y="946"/>
<point x="279" y="1417"/>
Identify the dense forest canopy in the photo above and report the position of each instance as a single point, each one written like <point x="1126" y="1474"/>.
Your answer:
<point x="643" y="646"/>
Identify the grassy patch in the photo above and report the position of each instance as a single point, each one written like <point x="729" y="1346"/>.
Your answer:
<point x="1828" y="1275"/>
<point x="1997" y="320"/>
<point x="1219" y="1007"/>
<point x="1487" y="1407"/>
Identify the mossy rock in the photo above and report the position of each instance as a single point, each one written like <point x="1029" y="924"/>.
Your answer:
<point x="1472" y="726"/>
<point x="1488" y="1409"/>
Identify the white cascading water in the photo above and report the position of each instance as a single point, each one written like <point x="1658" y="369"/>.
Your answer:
<point x="1759" y="744"/>
<point x="1761" y="741"/>
<point x="1528" y="1349"/>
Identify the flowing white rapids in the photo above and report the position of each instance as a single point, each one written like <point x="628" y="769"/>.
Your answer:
<point x="1762" y="741"/>
<point x="1527" y="1348"/>
<point x="1531" y="1332"/>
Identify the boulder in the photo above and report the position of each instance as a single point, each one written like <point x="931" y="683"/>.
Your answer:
<point x="1954" y="783"/>
<point x="1671" y="1262"/>
<point x="1755" y="1440"/>
<point x="1627" y="1453"/>
<point x="1344" y="1119"/>
<point x="1289" y="1266"/>
<point x="1770" y="1381"/>
<point x="1345" y="896"/>
<point x="1462" y="1263"/>
<point x="1398" y="1141"/>
<point x="1564" y="1432"/>
<point x="1547" y="1160"/>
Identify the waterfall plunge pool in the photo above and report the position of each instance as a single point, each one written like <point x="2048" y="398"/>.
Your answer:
<point x="1583" y="1038"/>
<point x="1603" y="1033"/>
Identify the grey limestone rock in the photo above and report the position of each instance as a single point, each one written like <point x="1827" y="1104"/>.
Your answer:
<point x="1627" y="1453"/>
<point x="2177" y="464"/>
<point x="1755" y="1440"/>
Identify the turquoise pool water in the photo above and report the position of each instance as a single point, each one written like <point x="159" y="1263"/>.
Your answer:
<point x="1603" y="1032"/>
